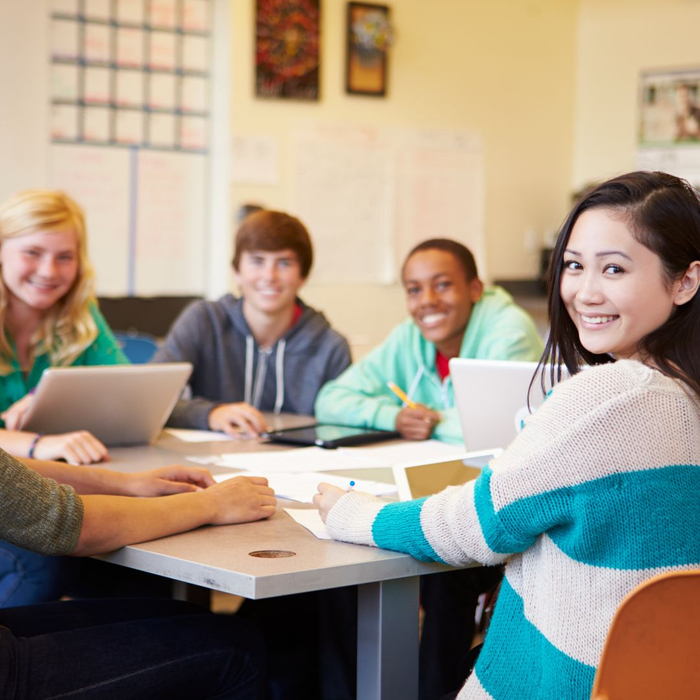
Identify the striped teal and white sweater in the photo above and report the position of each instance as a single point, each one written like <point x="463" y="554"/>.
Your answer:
<point x="600" y="492"/>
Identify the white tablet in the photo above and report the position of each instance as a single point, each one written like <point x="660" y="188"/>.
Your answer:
<point x="118" y="404"/>
<point x="426" y="478"/>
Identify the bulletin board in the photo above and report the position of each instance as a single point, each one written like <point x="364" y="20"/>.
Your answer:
<point x="129" y="130"/>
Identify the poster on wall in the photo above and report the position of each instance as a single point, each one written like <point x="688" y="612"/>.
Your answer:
<point x="287" y="49"/>
<point x="670" y="108"/>
<point x="669" y="123"/>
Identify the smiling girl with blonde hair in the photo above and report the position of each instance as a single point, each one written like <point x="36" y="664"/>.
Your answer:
<point x="48" y="318"/>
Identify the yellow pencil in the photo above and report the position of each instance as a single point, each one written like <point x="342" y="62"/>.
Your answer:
<point x="402" y="395"/>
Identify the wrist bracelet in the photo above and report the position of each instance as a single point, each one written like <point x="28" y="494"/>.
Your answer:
<point x="32" y="447"/>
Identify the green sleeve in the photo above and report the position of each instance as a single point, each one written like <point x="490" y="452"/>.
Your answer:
<point x="449" y="429"/>
<point x="359" y="396"/>
<point x="105" y="349"/>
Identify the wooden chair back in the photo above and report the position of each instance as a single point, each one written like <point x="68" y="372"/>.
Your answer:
<point x="652" y="651"/>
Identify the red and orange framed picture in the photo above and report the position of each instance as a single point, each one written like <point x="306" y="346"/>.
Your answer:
<point x="287" y="40"/>
<point x="369" y="37"/>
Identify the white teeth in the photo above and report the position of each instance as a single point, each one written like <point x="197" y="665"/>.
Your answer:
<point x="432" y="318"/>
<point x="598" y="319"/>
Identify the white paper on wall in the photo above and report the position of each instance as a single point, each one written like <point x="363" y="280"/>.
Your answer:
<point x="171" y="223"/>
<point x="255" y="160"/>
<point x="98" y="179"/>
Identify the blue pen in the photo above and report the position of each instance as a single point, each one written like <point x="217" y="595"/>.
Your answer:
<point x="349" y="488"/>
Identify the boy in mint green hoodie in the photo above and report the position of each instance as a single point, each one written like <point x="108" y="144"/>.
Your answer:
<point x="452" y="316"/>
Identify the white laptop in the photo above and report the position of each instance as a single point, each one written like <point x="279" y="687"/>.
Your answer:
<point x="492" y="399"/>
<point x="426" y="478"/>
<point x="118" y="404"/>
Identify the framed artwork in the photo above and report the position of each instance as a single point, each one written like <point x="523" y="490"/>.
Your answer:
<point x="287" y="49"/>
<point x="368" y="39"/>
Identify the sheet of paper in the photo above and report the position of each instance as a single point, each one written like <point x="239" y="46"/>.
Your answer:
<point x="311" y="520"/>
<point x="399" y="453"/>
<point x="206" y="460"/>
<point x="97" y="84"/>
<point x="96" y="124"/>
<point x="162" y="92"/>
<point x="295" y="460"/>
<point x="303" y="486"/>
<point x="163" y="51"/>
<point x="64" y="39"/>
<point x="128" y="127"/>
<point x="255" y="160"/>
<point x="64" y="82"/>
<point x="198" y="436"/>
<point x="98" y="9"/>
<point x="318" y="459"/>
<point x="129" y="47"/>
<point x="97" y="43"/>
<point x="163" y="14"/>
<point x="129" y="88"/>
<point x="64" y="122"/>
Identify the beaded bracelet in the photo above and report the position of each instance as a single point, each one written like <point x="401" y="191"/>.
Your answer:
<point x="36" y="439"/>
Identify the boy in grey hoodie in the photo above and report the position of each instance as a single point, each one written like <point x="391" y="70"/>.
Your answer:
<point x="265" y="351"/>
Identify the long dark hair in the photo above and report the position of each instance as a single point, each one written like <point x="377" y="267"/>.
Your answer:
<point x="663" y="213"/>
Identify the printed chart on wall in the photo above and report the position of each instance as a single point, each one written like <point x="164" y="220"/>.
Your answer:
<point x="130" y="84"/>
<point x="368" y="195"/>
<point x="669" y="123"/>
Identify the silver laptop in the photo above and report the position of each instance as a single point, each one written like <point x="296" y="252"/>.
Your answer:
<point x="492" y="399"/>
<point x="426" y="478"/>
<point x="118" y="404"/>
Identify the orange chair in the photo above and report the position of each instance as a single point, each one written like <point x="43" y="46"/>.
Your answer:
<point x="653" y="648"/>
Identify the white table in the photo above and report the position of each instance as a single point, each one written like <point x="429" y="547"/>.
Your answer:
<point x="279" y="557"/>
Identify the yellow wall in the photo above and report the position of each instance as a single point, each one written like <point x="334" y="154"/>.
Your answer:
<point x="503" y="68"/>
<point x="618" y="39"/>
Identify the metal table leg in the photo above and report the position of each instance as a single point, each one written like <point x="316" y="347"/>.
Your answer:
<point x="387" y="640"/>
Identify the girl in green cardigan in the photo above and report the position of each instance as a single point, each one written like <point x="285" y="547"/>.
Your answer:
<point x="48" y="317"/>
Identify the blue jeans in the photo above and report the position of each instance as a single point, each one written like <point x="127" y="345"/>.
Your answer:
<point x="127" y="648"/>
<point x="27" y="578"/>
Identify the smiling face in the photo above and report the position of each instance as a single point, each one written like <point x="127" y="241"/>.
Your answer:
<point x="440" y="298"/>
<point x="613" y="287"/>
<point x="269" y="280"/>
<point x="39" y="269"/>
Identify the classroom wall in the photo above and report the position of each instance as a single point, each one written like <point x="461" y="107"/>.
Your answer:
<point x="502" y="68"/>
<point x="618" y="39"/>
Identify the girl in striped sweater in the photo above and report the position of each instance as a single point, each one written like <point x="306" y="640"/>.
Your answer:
<point x="601" y="489"/>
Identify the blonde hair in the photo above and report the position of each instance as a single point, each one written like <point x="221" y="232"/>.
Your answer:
<point x="68" y="327"/>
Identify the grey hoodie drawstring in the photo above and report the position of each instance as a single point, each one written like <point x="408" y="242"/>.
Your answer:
<point x="249" y="348"/>
<point x="253" y="391"/>
<point x="279" y="375"/>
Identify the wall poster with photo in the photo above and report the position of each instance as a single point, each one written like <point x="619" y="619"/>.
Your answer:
<point x="669" y="123"/>
<point x="670" y="108"/>
<point x="287" y="49"/>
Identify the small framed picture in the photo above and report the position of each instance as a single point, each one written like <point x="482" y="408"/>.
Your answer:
<point x="368" y="40"/>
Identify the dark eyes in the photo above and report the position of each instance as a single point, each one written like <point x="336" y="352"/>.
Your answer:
<point x="610" y="269"/>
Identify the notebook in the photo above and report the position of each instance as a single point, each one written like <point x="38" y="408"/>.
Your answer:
<point x="426" y="478"/>
<point x="492" y="399"/>
<point x="118" y="404"/>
